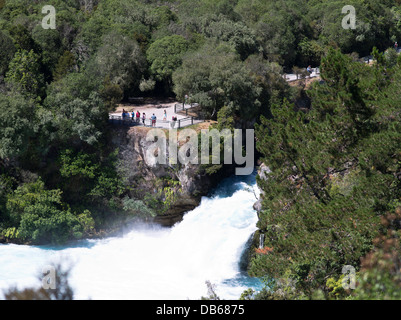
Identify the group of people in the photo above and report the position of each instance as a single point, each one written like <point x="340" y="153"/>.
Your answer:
<point x="134" y="116"/>
<point x="137" y="117"/>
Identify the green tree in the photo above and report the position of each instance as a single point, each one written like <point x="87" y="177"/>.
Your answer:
<point x="86" y="178"/>
<point x="7" y="49"/>
<point x="165" y="56"/>
<point x="373" y="24"/>
<point x="23" y="39"/>
<point x="16" y="125"/>
<point x="310" y="52"/>
<point x="120" y="59"/>
<point x="380" y="277"/>
<point x="277" y="34"/>
<point x="65" y="64"/>
<point x="24" y="73"/>
<point x="77" y="118"/>
<point x="215" y="77"/>
<point x="51" y="48"/>
<point x="237" y="34"/>
<point x="40" y="214"/>
<point x="328" y="185"/>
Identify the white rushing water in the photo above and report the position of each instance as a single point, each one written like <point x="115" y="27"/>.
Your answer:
<point x="151" y="262"/>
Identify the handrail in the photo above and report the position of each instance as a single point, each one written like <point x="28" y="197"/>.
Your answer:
<point x="132" y="122"/>
<point x="178" y="107"/>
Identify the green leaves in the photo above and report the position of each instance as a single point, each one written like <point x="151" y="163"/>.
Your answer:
<point x="16" y="125"/>
<point x="85" y="177"/>
<point x="40" y="214"/>
<point x="236" y="34"/>
<point x="7" y="49"/>
<point x="76" y="117"/>
<point x="30" y="194"/>
<point x="64" y="65"/>
<point x="24" y="73"/>
<point x="165" y="54"/>
<point x="51" y="226"/>
<point x="120" y="60"/>
<point x="138" y="207"/>
<point x="79" y="165"/>
<point x="11" y="233"/>
<point x="215" y="77"/>
<point x="333" y="172"/>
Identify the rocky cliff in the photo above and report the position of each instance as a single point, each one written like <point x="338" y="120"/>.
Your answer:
<point x="263" y="171"/>
<point x="184" y="185"/>
<point x="258" y="237"/>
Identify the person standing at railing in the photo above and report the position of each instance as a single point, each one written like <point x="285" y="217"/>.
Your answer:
<point x="153" y="118"/>
<point x="143" y="118"/>
<point x="138" y="116"/>
<point x="133" y="115"/>
<point x="165" y="115"/>
<point x="172" y="123"/>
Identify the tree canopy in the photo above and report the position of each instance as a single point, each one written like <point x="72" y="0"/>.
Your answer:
<point x="334" y="173"/>
<point x="332" y="197"/>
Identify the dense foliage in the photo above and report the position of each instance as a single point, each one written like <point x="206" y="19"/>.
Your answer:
<point x="335" y="173"/>
<point x="333" y="195"/>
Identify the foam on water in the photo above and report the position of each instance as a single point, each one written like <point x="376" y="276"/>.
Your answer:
<point x="151" y="262"/>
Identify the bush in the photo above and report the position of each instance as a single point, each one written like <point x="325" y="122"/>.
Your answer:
<point x="41" y="216"/>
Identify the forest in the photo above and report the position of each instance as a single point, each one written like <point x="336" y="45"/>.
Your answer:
<point x="333" y="195"/>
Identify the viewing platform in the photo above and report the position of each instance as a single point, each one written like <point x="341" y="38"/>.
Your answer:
<point x="164" y="113"/>
<point x="164" y="124"/>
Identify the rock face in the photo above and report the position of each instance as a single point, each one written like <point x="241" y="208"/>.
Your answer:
<point x="148" y="178"/>
<point x="258" y="236"/>
<point x="262" y="173"/>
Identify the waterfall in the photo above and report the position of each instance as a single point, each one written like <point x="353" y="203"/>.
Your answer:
<point x="261" y="241"/>
<point x="152" y="262"/>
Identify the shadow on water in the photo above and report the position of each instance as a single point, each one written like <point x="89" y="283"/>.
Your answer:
<point x="228" y="186"/>
<point x="244" y="259"/>
<point x="243" y="280"/>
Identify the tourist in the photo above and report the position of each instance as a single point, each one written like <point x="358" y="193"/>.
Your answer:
<point x="123" y="114"/>
<point x="309" y="69"/>
<point x="165" y="115"/>
<point x="133" y="115"/>
<point x="143" y="118"/>
<point x="138" y="116"/>
<point x="153" y="118"/>
<point x="172" y="123"/>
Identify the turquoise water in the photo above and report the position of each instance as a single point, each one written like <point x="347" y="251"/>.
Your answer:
<point x="152" y="262"/>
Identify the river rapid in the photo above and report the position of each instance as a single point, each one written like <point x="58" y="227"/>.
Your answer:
<point x="154" y="262"/>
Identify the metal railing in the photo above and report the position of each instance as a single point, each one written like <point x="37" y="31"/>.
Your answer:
<point x="132" y="122"/>
<point x="179" y="107"/>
